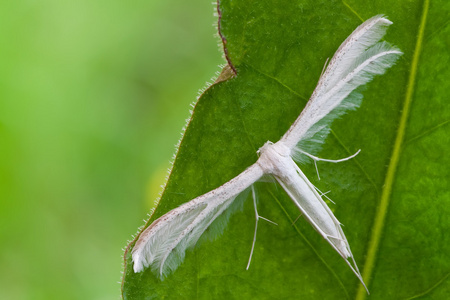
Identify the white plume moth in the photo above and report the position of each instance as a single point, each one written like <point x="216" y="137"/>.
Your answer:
<point x="361" y="56"/>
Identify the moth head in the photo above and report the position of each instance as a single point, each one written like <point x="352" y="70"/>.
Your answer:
<point x="264" y="148"/>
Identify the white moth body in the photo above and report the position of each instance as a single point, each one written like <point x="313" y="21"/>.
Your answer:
<point x="361" y="56"/>
<point x="276" y="160"/>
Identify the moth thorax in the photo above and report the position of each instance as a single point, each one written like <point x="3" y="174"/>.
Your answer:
<point x="270" y="153"/>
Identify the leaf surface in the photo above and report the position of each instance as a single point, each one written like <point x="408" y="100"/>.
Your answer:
<point x="393" y="198"/>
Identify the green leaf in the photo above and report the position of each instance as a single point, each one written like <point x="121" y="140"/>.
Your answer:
<point x="393" y="198"/>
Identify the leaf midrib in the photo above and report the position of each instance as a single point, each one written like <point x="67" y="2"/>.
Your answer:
<point x="380" y="216"/>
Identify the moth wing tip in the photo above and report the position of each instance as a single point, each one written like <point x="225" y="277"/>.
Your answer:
<point x="138" y="263"/>
<point x="137" y="267"/>
<point x="386" y="21"/>
<point x="381" y="18"/>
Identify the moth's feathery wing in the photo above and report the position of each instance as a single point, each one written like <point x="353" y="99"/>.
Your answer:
<point x="359" y="58"/>
<point x="162" y="245"/>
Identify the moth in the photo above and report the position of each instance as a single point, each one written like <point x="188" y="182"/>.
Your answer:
<point x="360" y="57"/>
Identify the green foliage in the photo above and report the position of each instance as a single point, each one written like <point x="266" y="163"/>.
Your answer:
<point x="392" y="198"/>
<point x="93" y="95"/>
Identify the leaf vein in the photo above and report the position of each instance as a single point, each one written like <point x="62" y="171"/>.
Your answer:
<point x="380" y="216"/>
<point x="428" y="291"/>
<point x="426" y="132"/>
<point x="353" y="11"/>
<point x="358" y="164"/>
<point x="278" y="81"/>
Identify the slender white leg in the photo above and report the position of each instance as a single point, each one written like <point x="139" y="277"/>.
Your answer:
<point x="316" y="159"/>
<point x="257" y="217"/>
<point x="324" y="194"/>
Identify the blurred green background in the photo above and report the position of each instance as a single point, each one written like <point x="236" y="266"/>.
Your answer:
<point x="93" y="97"/>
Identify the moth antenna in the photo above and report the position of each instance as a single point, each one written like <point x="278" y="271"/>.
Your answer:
<point x="358" y="274"/>
<point x="336" y="238"/>
<point x="353" y="266"/>
<point x="324" y="66"/>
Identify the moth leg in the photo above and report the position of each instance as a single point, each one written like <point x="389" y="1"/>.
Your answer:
<point x="316" y="159"/>
<point x="257" y="217"/>
<point x="322" y="194"/>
